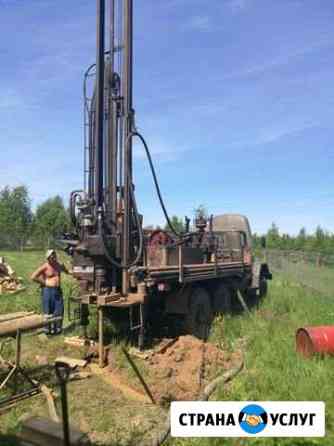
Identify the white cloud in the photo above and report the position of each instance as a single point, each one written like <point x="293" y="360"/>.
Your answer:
<point x="275" y="132"/>
<point x="286" y="56"/>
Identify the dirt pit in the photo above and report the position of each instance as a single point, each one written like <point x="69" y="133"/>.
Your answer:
<point x="184" y="369"/>
<point x="180" y="370"/>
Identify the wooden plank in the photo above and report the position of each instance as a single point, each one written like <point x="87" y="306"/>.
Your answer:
<point x="131" y="299"/>
<point x="51" y="403"/>
<point x="72" y="362"/>
<point x="77" y="341"/>
<point x="108" y="298"/>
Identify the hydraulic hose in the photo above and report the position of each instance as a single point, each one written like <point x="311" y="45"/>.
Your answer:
<point x="148" y="154"/>
<point x="73" y="197"/>
<point x="141" y="239"/>
<point x="161" y="435"/>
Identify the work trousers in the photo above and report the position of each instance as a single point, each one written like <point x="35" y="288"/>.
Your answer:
<point x="53" y="304"/>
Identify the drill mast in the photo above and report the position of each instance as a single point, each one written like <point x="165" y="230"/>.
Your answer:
<point x="166" y="278"/>
<point x="108" y="224"/>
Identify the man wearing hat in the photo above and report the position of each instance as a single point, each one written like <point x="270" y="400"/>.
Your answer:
<point x="48" y="276"/>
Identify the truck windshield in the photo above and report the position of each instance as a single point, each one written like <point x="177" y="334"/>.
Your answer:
<point x="232" y="240"/>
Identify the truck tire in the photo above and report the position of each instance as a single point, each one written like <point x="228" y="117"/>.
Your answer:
<point x="199" y="317"/>
<point x="222" y="299"/>
<point x="263" y="287"/>
<point x="251" y="297"/>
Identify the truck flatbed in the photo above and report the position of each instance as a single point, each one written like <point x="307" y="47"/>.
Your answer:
<point x="196" y="272"/>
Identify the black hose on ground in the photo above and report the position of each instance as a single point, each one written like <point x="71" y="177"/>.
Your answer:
<point x="164" y="433"/>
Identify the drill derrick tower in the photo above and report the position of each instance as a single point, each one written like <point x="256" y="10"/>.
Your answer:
<point x="159" y="276"/>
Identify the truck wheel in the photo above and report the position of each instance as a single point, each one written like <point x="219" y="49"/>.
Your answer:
<point x="222" y="299"/>
<point x="251" y="297"/>
<point x="199" y="317"/>
<point x="263" y="288"/>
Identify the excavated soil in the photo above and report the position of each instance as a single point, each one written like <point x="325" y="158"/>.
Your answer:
<point x="185" y="368"/>
<point x="182" y="370"/>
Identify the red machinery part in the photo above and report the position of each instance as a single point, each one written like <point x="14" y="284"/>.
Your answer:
<point x="313" y="340"/>
<point x="158" y="239"/>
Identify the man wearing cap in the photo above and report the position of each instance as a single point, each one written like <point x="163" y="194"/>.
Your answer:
<point x="48" y="276"/>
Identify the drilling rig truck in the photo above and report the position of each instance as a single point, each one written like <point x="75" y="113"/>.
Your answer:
<point x="160" y="277"/>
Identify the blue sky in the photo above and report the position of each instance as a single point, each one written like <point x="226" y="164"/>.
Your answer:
<point x="235" y="98"/>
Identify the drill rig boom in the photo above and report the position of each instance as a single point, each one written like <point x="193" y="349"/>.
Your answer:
<point x="105" y="213"/>
<point x="162" y="273"/>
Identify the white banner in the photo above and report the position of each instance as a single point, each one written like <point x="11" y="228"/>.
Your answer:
<point x="248" y="419"/>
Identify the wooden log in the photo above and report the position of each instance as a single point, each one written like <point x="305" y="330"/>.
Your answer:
<point x="18" y="315"/>
<point x="32" y="322"/>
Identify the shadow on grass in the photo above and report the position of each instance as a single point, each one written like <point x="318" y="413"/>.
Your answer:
<point x="10" y="440"/>
<point x="42" y="374"/>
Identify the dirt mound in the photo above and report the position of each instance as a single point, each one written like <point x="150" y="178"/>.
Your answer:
<point x="182" y="370"/>
<point x="175" y="370"/>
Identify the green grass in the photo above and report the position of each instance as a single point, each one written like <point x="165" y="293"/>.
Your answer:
<point x="94" y="406"/>
<point x="320" y="278"/>
<point x="30" y="299"/>
<point x="273" y="370"/>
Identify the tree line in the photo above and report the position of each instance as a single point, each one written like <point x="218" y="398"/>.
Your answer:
<point x="22" y="227"/>
<point x="320" y="241"/>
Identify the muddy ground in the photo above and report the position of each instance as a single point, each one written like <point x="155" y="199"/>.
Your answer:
<point x="182" y="370"/>
<point x="111" y="406"/>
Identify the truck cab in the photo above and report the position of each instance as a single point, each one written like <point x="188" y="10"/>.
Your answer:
<point x="235" y="243"/>
<point x="234" y="237"/>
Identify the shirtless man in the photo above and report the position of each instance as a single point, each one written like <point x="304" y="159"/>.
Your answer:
<point x="48" y="276"/>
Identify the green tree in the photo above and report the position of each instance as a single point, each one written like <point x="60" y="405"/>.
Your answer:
<point x="177" y="223"/>
<point x="319" y="239"/>
<point x="301" y="239"/>
<point x="51" y="221"/>
<point x="15" y="217"/>
<point x="4" y="217"/>
<point x="273" y="237"/>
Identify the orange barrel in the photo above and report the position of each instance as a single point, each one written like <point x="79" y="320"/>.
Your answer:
<point x="312" y="340"/>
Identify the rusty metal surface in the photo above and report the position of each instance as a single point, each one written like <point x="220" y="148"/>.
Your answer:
<point x="113" y="300"/>
<point x="156" y="255"/>
<point x="193" y="273"/>
<point x="232" y="222"/>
